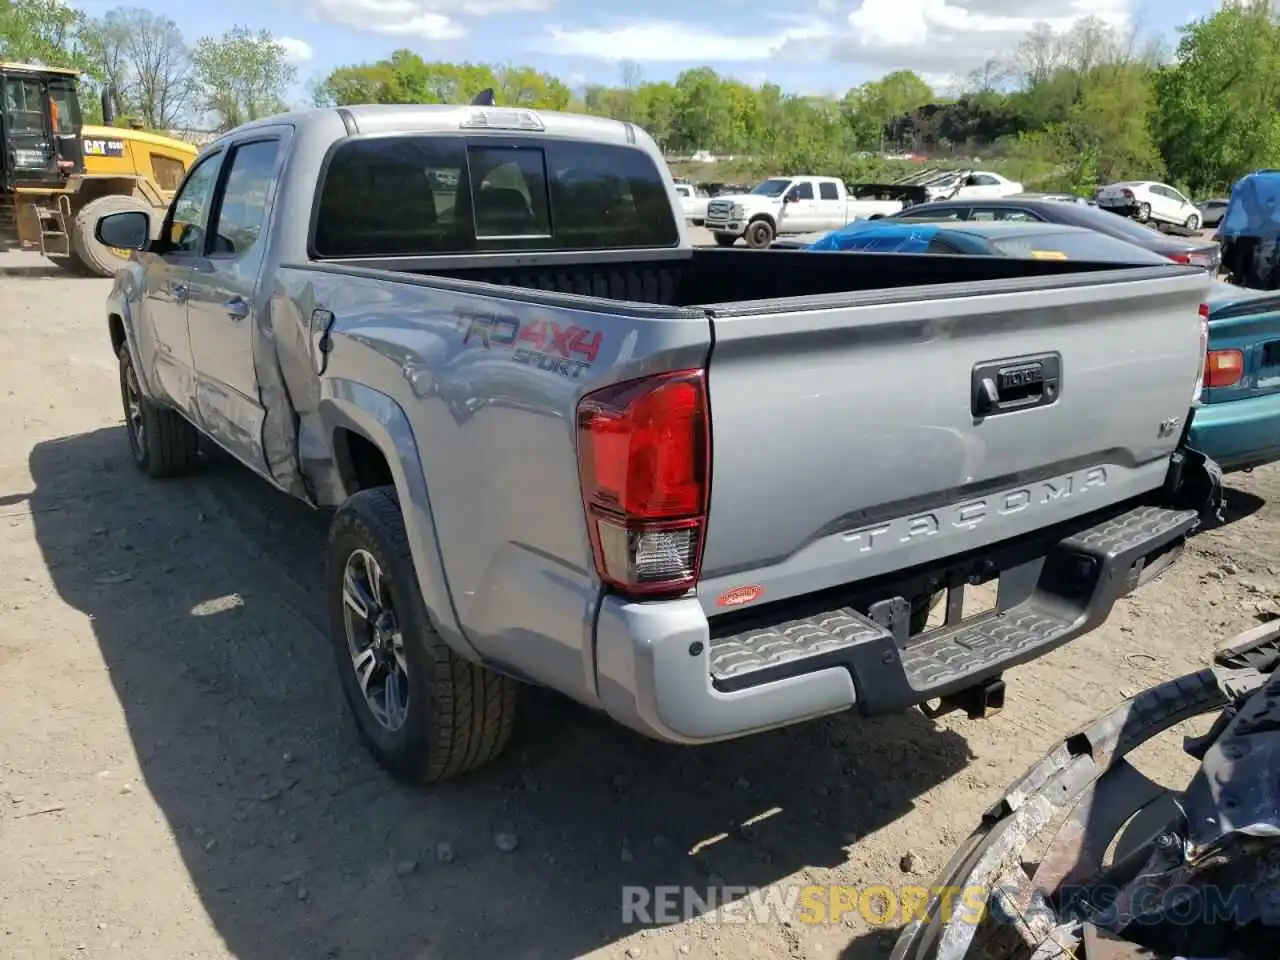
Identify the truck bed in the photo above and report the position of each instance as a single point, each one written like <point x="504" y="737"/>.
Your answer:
<point x="714" y="276"/>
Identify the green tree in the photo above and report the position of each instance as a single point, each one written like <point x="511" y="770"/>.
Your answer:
<point x="242" y="76"/>
<point x="1217" y="116"/>
<point x="44" y="31"/>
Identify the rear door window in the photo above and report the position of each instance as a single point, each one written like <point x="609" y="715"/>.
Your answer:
<point x="828" y="191"/>
<point x="1065" y="245"/>
<point x="990" y="213"/>
<point x="430" y="195"/>
<point x="246" y="193"/>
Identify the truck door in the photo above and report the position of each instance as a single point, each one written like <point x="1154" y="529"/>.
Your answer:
<point x="833" y="209"/>
<point x="799" y="209"/>
<point x="167" y="286"/>
<point x="226" y="304"/>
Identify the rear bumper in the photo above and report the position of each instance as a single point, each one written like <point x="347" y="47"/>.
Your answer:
<point x="666" y="671"/>
<point x="1238" y="433"/>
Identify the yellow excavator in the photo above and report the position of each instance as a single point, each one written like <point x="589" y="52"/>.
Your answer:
<point x="58" y="177"/>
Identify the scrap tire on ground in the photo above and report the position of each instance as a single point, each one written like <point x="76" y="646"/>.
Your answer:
<point x="760" y="234"/>
<point x="723" y="240"/>
<point x="458" y="715"/>
<point x="162" y="441"/>
<point x="97" y="257"/>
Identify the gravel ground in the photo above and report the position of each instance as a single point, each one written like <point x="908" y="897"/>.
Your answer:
<point x="178" y="777"/>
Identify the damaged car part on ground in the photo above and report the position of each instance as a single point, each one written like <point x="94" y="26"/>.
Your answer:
<point x="1195" y="872"/>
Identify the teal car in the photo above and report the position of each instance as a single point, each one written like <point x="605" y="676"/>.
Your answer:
<point x="1238" y="421"/>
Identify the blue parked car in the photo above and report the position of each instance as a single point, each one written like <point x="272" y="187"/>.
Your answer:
<point x="1249" y="232"/>
<point x="1020" y="239"/>
<point x="1238" y="422"/>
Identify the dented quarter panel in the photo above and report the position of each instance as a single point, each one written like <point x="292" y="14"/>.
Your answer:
<point x="487" y="387"/>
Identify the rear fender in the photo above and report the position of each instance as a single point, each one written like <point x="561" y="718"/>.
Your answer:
<point x="382" y="421"/>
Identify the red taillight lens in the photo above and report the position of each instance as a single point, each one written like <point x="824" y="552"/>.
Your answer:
<point x="1127" y="193"/>
<point x="1223" y="368"/>
<point x="643" y="461"/>
<point x="1179" y="257"/>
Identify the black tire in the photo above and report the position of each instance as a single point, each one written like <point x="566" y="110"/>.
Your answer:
<point x="725" y="240"/>
<point x="162" y="441"/>
<point x="98" y="257"/>
<point x="1144" y="212"/>
<point x="1192" y="223"/>
<point x="459" y="715"/>
<point x="759" y="234"/>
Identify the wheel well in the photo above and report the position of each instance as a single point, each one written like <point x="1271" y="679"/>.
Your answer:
<point x="763" y="216"/>
<point x="360" y="463"/>
<point x="116" y="325"/>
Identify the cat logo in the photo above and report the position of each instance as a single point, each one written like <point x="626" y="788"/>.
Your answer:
<point x="103" y="148"/>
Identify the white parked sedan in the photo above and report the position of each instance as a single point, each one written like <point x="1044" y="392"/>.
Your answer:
<point x="1149" y="201"/>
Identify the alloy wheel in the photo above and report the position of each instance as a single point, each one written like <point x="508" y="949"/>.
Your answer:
<point x="375" y="642"/>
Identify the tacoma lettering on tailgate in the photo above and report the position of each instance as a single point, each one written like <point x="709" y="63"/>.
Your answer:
<point x="973" y="513"/>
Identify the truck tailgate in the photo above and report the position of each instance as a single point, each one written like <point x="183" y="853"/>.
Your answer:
<point x="857" y="437"/>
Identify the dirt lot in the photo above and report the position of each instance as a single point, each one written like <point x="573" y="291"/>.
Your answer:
<point x="178" y="777"/>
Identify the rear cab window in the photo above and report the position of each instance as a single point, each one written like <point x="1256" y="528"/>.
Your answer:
<point x="426" y="195"/>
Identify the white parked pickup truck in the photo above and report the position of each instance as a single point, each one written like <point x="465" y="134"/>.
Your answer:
<point x="693" y="202"/>
<point x="788" y="205"/>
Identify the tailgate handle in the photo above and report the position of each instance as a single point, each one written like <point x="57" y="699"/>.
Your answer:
<point x="1016" y="383"/>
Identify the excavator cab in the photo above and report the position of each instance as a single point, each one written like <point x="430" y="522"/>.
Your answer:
<point x="40" y="126"/>
<point x="59" y="176"/>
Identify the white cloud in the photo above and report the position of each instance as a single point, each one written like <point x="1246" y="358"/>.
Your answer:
<point x="420" y="19"/>
<point x="296" y="52"/>
<point x="949" y="36"/>
<point x="943" y="38"/>
<point x="657" y="40"/>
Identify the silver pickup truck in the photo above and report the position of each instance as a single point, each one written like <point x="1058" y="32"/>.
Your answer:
<point x="706" y="491"/>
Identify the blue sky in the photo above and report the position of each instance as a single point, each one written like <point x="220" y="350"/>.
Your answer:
<point x="818" y="46"/>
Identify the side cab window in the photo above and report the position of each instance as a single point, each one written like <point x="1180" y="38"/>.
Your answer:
<point x="185" y="225"/>
<point x="244" y="197"/>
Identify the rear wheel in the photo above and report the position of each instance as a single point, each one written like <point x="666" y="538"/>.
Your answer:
<point x="98" y="258"/>
<point x="1144" y="212"/>
<point x="425" y="713"/>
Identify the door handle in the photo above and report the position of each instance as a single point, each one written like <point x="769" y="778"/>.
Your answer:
<point x="180" y="292"/>
<point x="237" y="308"/>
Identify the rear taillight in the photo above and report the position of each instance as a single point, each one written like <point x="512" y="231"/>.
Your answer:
<point x="1204" y="352"/>
<point x="644" y="454"/>
<point x="1223" y="368"/>
<point x="1127" y="193"/>
<point x="1179" y="257"/>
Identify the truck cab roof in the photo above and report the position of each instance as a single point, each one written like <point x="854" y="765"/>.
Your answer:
<point x="441" y="118"/>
